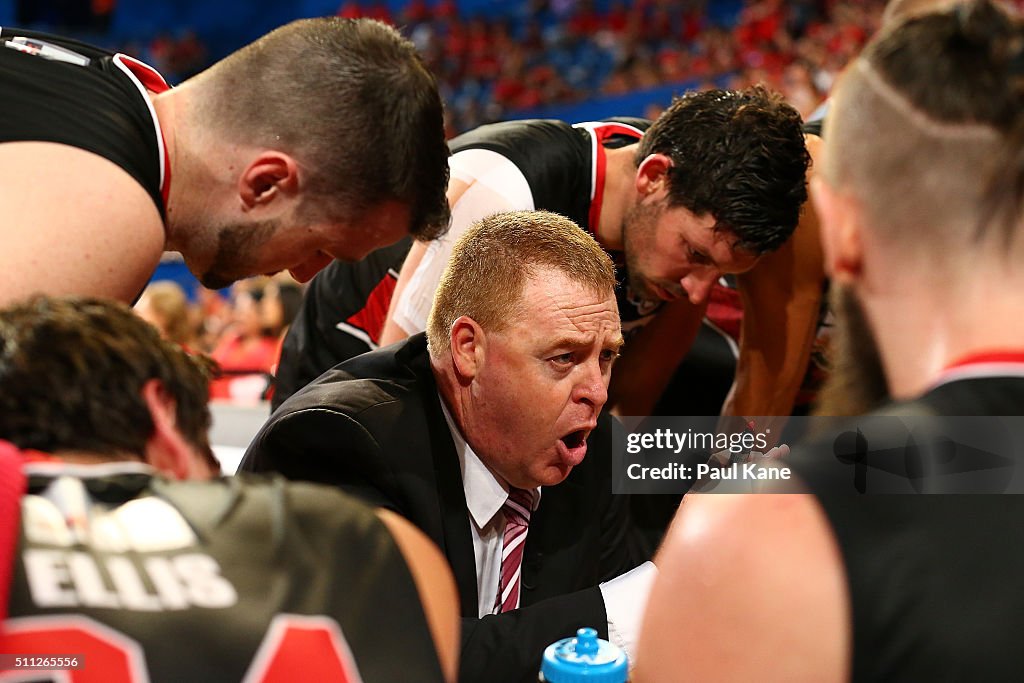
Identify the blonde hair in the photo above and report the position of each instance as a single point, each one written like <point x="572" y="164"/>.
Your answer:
<point x="167" y="301"/>
<point x="492" y="261"/>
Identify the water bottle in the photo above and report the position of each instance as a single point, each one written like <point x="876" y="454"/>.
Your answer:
<point x="584" y="659"/>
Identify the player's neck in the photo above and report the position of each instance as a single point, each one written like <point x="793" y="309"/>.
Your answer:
<point x="920" y="333"/>
<point x="619" y="193"/>
<point x="170" y="110"/>
<point x="203" y="186"/>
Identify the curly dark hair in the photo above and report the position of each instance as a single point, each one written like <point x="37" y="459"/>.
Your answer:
<point x="738" y="155"/>
<point x="72" y="372"/>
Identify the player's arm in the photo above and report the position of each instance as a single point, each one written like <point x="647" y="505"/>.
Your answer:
<point x="750" y="587"/>
<point x="393" y="331"/>
<point x="479" y="193"/>
<point x="651" y="357"/>
<point x="73" y="222"/>
<point x="781" y="305"/>
<point x="436" y="587"/>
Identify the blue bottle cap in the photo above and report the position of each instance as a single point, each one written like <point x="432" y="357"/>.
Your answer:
<point x="584" y="659"/>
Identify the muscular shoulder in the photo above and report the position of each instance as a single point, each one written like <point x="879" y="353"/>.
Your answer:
<point x="733" y="558"/>
<point x="102" y="237"/>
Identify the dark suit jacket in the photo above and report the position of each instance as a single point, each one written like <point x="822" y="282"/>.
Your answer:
<point x="373" y="426"/>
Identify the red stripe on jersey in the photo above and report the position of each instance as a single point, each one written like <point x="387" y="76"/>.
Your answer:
<point x="1001" y="356"/>
<point x="370" y="319"/>
<point x="146" y="74"/>
<point x="602" y="132"/>
<point x="152" y="81"/>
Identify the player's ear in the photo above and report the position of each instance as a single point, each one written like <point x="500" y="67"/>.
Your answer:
<point x="468" y="341"/>
<point x="268" y="176"/>
<point x="841" y="225"/>
<point x="166" y="449"/>
<point x="652" y="175"/>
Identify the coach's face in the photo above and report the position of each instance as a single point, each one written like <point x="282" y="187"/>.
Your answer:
<point x="542" y="380"/>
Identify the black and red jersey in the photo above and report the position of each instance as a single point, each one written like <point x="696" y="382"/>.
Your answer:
<point x="243" y="578"/>
<point x="54" y="89"/>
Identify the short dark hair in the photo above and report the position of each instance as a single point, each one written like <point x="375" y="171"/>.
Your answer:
<point x="72" y="372"/>
<point x="738" y="155"/>
<point x="353" y="101"/>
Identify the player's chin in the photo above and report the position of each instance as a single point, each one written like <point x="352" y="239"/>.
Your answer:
<point x="645" y="290"/>
<point x="218" y="280"/>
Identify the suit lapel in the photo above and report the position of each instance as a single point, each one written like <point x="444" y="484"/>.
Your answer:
<point x="457" y="541"/>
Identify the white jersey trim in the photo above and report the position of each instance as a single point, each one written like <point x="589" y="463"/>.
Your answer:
<point x="357" y="333"/>
<point x="591" y="127"/>
<point x="58" y="467"/>
<point x="979" y="371"/>
<point x="122" y="60"/>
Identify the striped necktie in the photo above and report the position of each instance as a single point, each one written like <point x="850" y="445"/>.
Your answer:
<point x="517" y="523"/>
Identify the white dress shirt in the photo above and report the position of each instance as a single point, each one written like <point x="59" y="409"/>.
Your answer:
<point x="625" y="597"/>
<point x="486" y="493"/>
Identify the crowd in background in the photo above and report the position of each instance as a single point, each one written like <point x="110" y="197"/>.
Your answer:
<point x="558" y="52"/>
<point x="242" y="331"/>
<point x="531" y="54"/>
<point x="535" y="53"/>
<point x="544" y="52"/>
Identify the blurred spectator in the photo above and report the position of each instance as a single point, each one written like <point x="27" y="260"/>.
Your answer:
<point x="247" y="352"/>
<point x="532" y="53"/>
<point x="163" y="305"/>
<point x="282" y="299"/>
<point x="214" y="313"/>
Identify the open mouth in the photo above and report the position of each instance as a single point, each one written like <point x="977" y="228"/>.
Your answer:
<point x="572" y="447"/>
<point x="575" y="439"/>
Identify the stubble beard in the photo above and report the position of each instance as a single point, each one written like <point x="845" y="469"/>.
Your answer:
<point x="233" y="257"/>
<point x="637" y="227"/>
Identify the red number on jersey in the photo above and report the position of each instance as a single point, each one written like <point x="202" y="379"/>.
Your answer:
<point x="313" y="646"/>
<point x="109" y="655"/>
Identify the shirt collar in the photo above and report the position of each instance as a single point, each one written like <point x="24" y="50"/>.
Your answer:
<point x="485" y="491"/>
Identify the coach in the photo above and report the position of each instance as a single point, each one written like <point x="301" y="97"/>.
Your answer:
<point x="486" y="433"/>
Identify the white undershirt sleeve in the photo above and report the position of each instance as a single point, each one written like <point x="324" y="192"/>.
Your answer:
<point x="495" y="184"/>
<point x="625" y="599"/>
